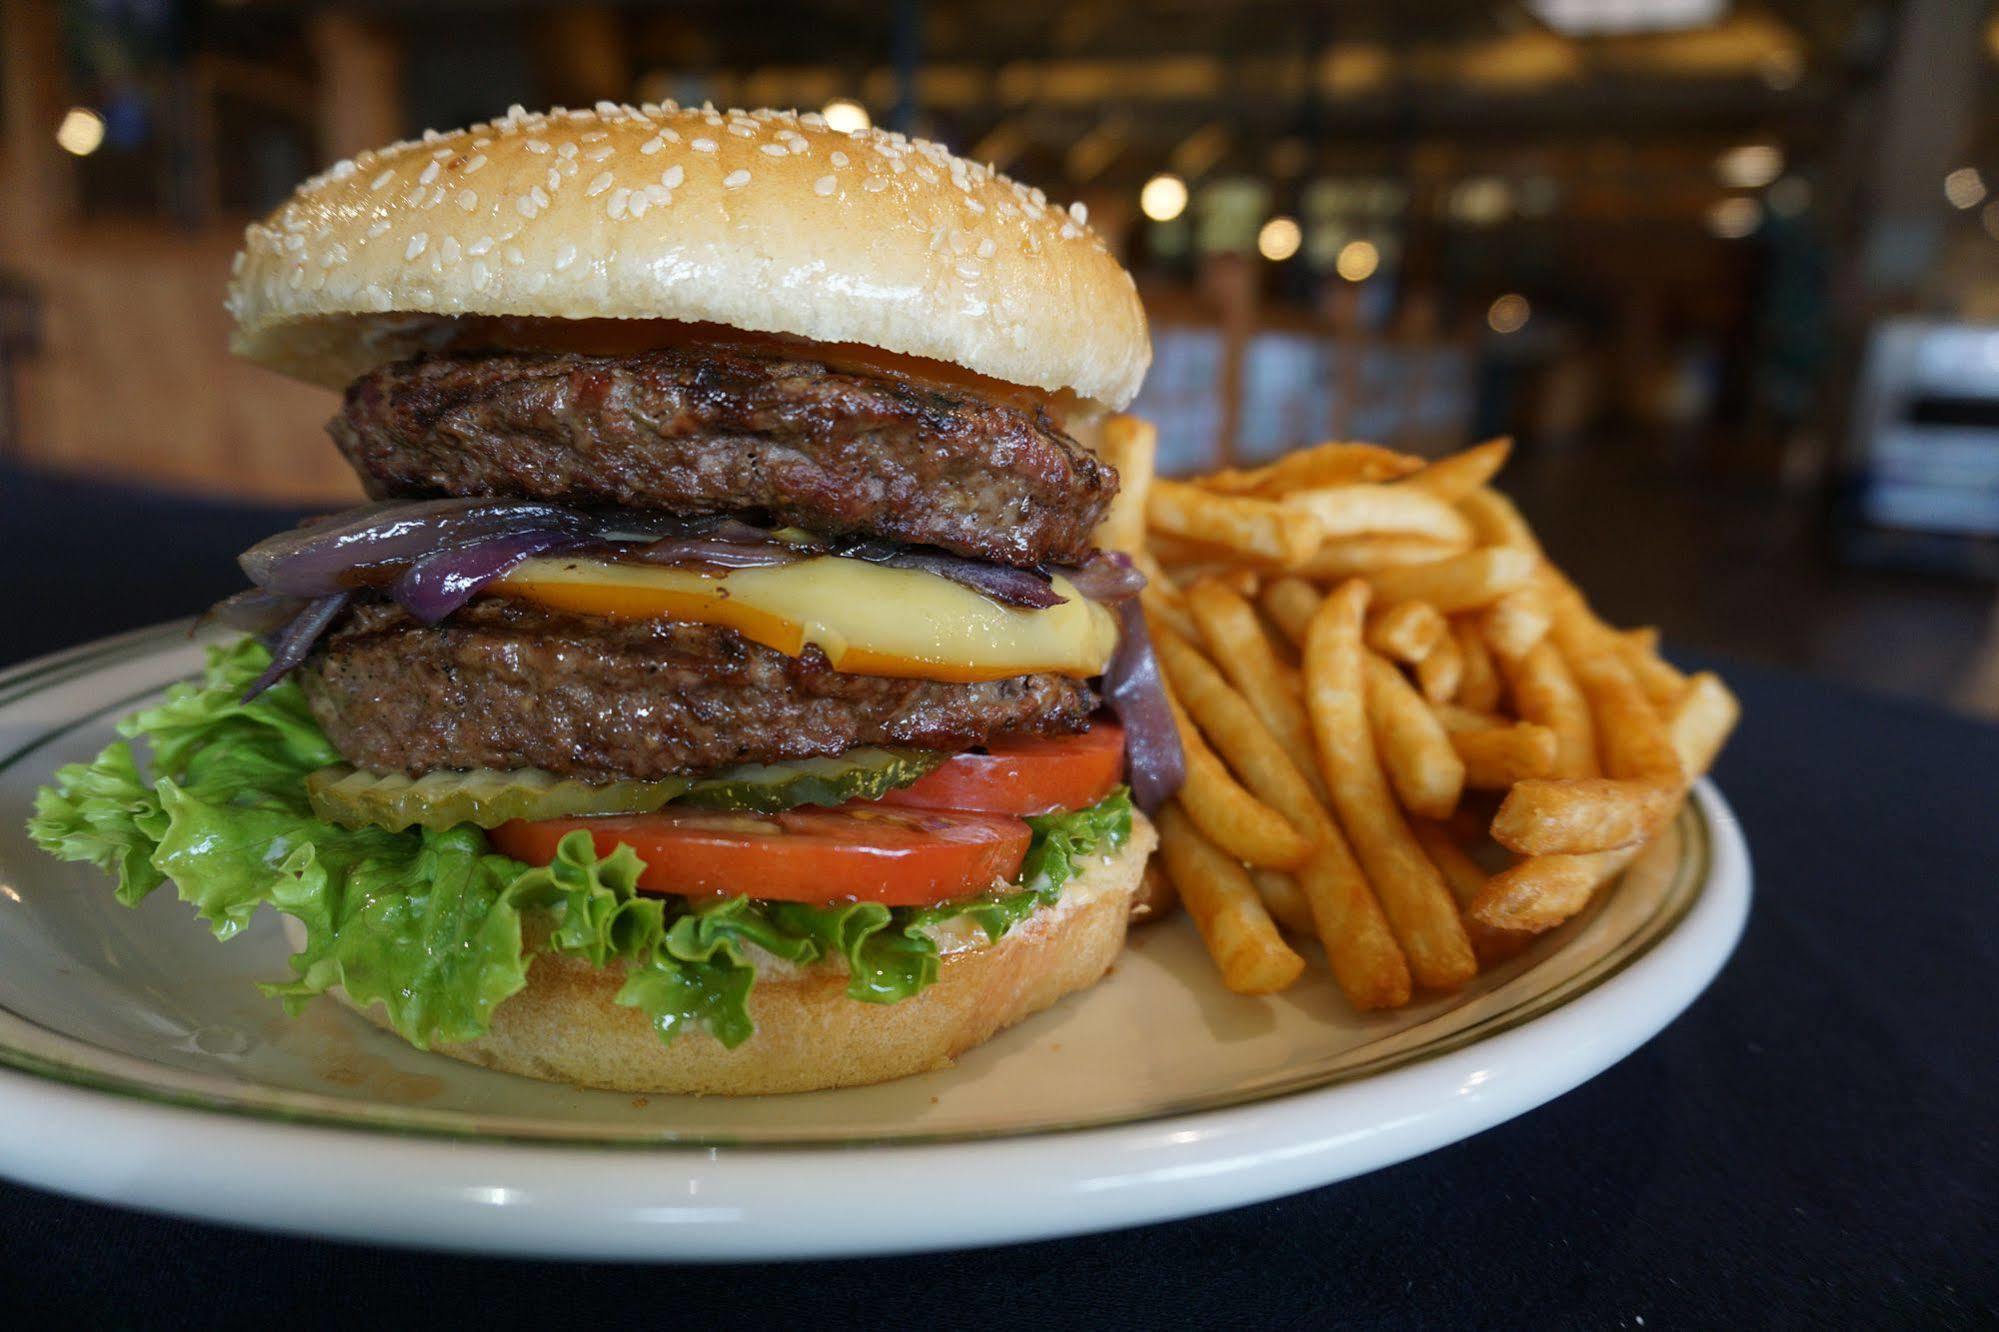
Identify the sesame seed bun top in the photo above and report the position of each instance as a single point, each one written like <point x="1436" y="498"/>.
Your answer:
<point x="766" y="220"/>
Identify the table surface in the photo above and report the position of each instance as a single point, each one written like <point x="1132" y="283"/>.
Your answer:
<point x="1811" y="1143"/>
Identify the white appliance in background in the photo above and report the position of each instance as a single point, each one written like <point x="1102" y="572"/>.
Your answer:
<point x="1926" y="434"/>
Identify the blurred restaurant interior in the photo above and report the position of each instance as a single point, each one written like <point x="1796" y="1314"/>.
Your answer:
<point x="1726" y="270"/>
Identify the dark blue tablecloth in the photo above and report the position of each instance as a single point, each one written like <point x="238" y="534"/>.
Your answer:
<point x="1812" y="1144"/>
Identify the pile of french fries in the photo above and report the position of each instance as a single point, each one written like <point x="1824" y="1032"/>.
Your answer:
<point x="1407" y="734"/>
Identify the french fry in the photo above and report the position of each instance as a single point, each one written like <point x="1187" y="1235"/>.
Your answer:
<point x="1581" y="815"/>
<point x="1129" y="444"/>
<point x="1159" y="610"/>
<point x="1352" y="511"/>
<point x="1632" y="741"/>
<point x="1239" y="934"/>
<point x="1256" y="529"/>
<point x="1496" y="522"/>
<point x="1514" y="623"/>
<point x="1546" y="693"/>
<point x="1331" y="464"/>
<point x="1356" y="557"/>
<point x="1457" y="717"/>
<point x="1442" y="670"/>
<point x="1461" y="583"/>
<point x="1662" y="682"/>
<point x="1285" y="900"/>
<point x="1495" y="757"/>
<point x="1289" y="602"/>
<point x="1426" y="772"/>
<point x="1349" y="921"/>
<point x="1240" y="647"/>
<point x="1541" y="892"/>
<point x="1480" y="688"/>
<point x="1451" y="479"/>
<point x="1238" y="822"/>
<point x="1466" y="880"/>
<point x="1406" y="632"/>
<point x="1411" y="892"/>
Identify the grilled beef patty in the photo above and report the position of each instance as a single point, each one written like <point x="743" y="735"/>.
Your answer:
<point x="727" y="430"/>
<point x="505" y="684"/>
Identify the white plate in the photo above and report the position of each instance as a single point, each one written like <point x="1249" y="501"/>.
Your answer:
<point x="139" y="1065"/>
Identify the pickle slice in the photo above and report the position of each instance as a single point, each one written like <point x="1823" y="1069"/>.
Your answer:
<point x="356" y="799"/>
<point x="487" y="799"/>
<point x="767" y="788"/>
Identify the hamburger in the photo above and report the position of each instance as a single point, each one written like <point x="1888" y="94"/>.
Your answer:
<point x="722" y="690"/>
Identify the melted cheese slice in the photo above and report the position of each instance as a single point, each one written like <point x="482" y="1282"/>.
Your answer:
<point x="867" y="619"/>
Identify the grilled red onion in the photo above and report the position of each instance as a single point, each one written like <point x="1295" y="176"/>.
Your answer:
<point x="1153" y="759"/>
<point x="1026" y="588"/>
<point x="295" y="640"/>
<point x="442" y="581"/>
<point x="253" y="610"/>
<point x="1107" y="576"/>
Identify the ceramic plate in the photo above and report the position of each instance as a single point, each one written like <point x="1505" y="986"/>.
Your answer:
<point x="139" y="1065"/>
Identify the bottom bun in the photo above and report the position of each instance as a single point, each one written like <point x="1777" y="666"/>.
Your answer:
<point x="566" y="1025"/>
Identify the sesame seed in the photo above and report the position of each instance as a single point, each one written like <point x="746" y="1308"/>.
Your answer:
<point x="735" y="180"/>
<point x="618" y="203"/>
<point x="566" y="150"/>
<point x="987" y="248"/>
<point x="600" y="153"/>
<point x="659" y="194"/>
<point x="413" y="198"/>
<point x="514" y="255"/>
<point x="1081" y="212"/>
<point x="839" y="158"/>
<point x="607" y="108"/>
<point x="382" y="180"/>
<point x="743" y="131"/>
<point x="637" y="207"/>
<point x="670" y="135"/>
<point x="536" y="146"/>
<point x="441" y="154"/>
<point x="974" y="204"/>
<point x="1070" y="231"/>
<point x="774" y="149"/>
<point x="525" y="205"/>
<point x="436" y="197"/>
<point x="378" y="226"/>
<point x="703" y="145"/>
<point x="468" y="199"/>
<point x="875" y="184"/>
<point x="813" y="120"/>
<point x="598" y="184"/>
<point x="478" y="160"/>
<point x="480" y="274"/>
<point x="564" y="257"/>
<point x="415" y="247"/>
<point x="968" y="269"/>
<point x="554" y="181"/>
<point x="449" y="250"/>
<point x="652" y="145"/>
<point x="672" y="176"/>
<point x="598" y="136"/>
<point x="825" y="185"/>
<point x="540" y="197"/>
<point x="480" y="246"/>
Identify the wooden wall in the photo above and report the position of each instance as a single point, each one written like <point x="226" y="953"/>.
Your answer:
<point x="134" y="379"/>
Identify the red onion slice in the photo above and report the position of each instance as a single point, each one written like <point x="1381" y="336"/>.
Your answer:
<point x="1154" y="761"/>
<point x="295" y="640"/>
<point x="442" y="581"/>
<point x="1107" y="576"/>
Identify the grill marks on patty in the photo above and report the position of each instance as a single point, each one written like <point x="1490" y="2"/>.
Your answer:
<point x="728" y="430"/>
<point x="502" y="684"/>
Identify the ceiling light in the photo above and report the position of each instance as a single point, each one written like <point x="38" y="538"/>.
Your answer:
<point x="1599" y="18"/>
<point x="1279" y="239"/>
<point x="846" y="115"/>
<point x="1750" y="167"/>
<point x="1481" y="201"/>
<point x="1735" y="217"/>
<point x="1508" y="314"/>
<point x="1357" y="261"/>
<point x="1163" y="198"/>
<point x="81" y="131"/>
<point x="1964" y="187"/>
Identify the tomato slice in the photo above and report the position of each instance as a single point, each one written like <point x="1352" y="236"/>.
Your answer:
<point x="1024" y="775"/>
<point x="898" y="857"/>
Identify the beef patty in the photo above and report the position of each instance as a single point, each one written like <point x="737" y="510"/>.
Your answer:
<point x="504" y="684"/>
<point x="728" y="430"/>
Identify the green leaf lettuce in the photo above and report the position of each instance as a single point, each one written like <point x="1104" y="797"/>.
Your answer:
<point x="430" y="922"/>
